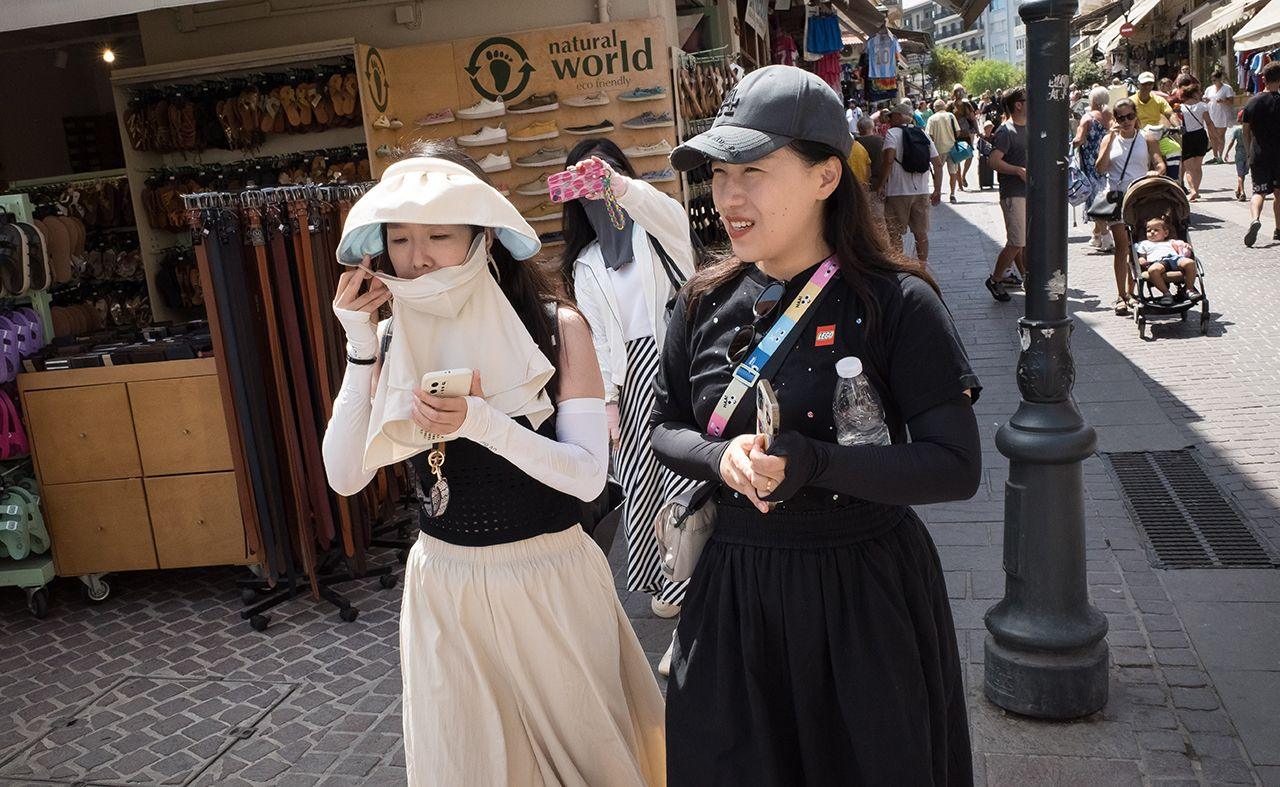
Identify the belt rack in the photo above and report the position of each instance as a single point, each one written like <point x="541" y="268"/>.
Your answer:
<point x="266" y="257"/>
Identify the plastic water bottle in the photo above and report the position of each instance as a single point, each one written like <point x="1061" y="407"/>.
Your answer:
<point x="858" y="415"/>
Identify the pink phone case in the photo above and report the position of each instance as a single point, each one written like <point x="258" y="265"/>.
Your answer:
<point x="571" y="184"/>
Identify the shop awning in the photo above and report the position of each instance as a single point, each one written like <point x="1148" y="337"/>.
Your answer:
<point x="1093" y="15"/>
<point x="863" y="14"/>
<point x="1226" y="17"/>
<point x="1263" y="30"/>
<point x="26" y="14"/>
<point x="1110" y="37"/>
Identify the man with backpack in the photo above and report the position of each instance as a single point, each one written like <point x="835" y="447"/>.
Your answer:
<point x="903" y="178"/>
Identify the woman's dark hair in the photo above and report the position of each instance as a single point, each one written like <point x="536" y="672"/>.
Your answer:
<point x="578" y="232"/>
<point x="529" y="289"/>
<point x="1217" y="73"/>
<point x="858" y="241"/>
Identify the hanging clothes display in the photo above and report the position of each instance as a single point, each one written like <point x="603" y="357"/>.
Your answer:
<point x="882" y="56"/>
<point x="821" y="31"/>
<point x="785" y="51"/>
<point x="268" y="259"/>
<point x="828" y="69"/>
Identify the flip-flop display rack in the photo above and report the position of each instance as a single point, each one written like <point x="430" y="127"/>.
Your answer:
<point x="267" y="258"/>
<point x="702" y="81"/>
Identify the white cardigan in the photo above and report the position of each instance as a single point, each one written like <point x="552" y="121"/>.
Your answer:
<point x="654" y="213"/>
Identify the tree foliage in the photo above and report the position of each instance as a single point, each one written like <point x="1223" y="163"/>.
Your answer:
<point x="984" y="75"/>
<point x="1085" y="72"/>
<point x="946" y="67"/>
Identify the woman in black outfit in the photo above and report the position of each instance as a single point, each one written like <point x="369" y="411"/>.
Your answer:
<point x="816" y="645"/>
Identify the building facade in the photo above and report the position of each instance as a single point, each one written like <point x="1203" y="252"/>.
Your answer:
<point x="997" y="35"/>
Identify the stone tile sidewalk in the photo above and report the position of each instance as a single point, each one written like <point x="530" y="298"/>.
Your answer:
<point x="162" y="683"/>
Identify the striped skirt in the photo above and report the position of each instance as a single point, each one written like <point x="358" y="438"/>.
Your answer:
<point x="647" y="483"/>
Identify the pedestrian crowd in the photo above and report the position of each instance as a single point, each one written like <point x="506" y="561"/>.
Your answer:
<point x="770" y="413"/>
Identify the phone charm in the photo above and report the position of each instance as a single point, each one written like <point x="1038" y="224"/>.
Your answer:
<point x="439" y="495"/>
<point x="616" y="217"/>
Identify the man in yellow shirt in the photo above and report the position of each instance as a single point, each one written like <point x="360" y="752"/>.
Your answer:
<point x="1152" y="109"/>
<point x="860" y="163"/>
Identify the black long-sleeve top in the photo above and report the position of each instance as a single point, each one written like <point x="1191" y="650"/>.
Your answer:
<point x="913" y="357"/>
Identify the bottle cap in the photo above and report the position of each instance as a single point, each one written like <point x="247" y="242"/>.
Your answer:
<point x="849" y="367"/>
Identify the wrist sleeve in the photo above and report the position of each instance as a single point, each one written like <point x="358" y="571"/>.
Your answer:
<point x="343" y="445"/>
<point x="576" y="462"/>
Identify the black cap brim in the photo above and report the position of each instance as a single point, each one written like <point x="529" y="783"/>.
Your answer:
<point x="730" y="144"/>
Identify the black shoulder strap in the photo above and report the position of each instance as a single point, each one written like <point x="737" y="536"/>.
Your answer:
<point x="668" y="265"/>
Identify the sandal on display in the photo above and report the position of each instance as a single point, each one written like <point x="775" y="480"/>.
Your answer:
<point x="13" y="438"/>
<point x="14" y="536"/>
<point x="29" y="502"/>
<point x="12" y="251"/>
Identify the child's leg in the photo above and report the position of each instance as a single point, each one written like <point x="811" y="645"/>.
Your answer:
<point x="1155" y="273"/>
<point x="1188" y="268"/>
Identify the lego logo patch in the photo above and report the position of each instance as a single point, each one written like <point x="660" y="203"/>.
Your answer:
<point x="826" y="336"/>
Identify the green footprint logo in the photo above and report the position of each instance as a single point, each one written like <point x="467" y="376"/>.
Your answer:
<point x="499" y="69"/>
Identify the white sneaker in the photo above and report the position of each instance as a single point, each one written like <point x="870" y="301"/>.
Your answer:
<point x="1107" y="243"/>
<point x="483" y="108"/>
<point x="659" y="148"/>
<point x="589" y="100"/>
<point x="489" y="135"/>
<point x="664" y="664"/>
<point x="496" y="162"/>
<point x="663" y="609"/>
<point x="1094" y="242"/>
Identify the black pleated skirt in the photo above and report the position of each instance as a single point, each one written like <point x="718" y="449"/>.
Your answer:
<point x="817" y="649"/>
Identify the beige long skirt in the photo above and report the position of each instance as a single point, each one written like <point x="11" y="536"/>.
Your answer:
<point x="521" y="668"/>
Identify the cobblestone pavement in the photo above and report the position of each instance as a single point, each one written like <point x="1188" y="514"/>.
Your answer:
<point x="163" y="683"/>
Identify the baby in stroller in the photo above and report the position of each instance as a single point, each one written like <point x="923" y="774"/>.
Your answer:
<point x="1159" y="254"/>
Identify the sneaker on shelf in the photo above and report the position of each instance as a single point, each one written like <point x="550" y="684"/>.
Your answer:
<point x="663" y="609"/>
<point x="1252" y="235"/>
<point x="489" y="135"/>
<point x="589" y="100"/>
<point x="545" y="157"/>
<point x="383" y="151"/>
<point x="659" y="176"/>
<point x="496" y="162"/>
<point x="650" y="120"/>
<point x="544" y="129"/>
<point x="538" y="102"/>
<point x="603" y="127"/>
<point x="643" y="94"/>
<point x="659" y="148"/>
<point x="534" y="188"/>
<point x="552" y="238"/>
<point x="544" y="211"/>
<point x="435" y="118"/>
<point x="381" y="121"/>
<point x="484" y="108"/>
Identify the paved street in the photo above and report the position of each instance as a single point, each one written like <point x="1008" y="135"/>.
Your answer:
<point x="162" y="683"/>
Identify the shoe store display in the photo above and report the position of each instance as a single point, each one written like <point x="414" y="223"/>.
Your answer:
<point x="659" y="148"/>
<point x="650" y="120"/>
<point x="603" y="127"/>
<point x="544" y="211"/>
<point x="545" y="157"/>
<point x="538" y="102"/>
<point x="383" y="151"/>
<point x="534" y="188"/>
<point x="496" y="162"/>
<point x="660" y="176"/>
<point x="489" y="135"/>
<point x="588" y="100"/>
<point x="545" y="129"/>
<point x="644" y="94"/>
<point x="484" y="108"/>
<point x="435" y="118"/>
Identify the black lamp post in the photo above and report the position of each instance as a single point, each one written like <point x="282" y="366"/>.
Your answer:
<point x="1045" y="654"/>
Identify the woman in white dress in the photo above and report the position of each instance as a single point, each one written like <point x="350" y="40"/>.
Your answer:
<point x="1222" y="112"/>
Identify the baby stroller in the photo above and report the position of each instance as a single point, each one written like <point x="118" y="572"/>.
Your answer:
<point x="1152" y="197"/>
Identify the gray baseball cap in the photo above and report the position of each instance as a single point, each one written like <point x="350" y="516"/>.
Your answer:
<point x="768" y="109"/>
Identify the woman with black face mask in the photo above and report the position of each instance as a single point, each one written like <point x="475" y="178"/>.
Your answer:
<point x="627" y="248"/>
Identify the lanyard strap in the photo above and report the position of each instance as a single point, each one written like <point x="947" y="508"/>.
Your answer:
<point x="748" y="372"/>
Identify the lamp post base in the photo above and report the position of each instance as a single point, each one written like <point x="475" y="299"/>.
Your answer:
<point x="1060" y="685"/>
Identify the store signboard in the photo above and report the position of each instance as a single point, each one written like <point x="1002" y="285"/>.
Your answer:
<point x="414" y="83"/>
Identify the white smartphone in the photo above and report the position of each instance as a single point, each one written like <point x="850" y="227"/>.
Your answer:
<point x="450" y="383"/>
<point x="768" y="414"/>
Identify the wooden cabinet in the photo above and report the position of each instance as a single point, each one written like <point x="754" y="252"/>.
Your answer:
<point x="135" y="467"/>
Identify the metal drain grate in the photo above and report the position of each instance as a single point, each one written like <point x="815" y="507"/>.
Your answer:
<point x="1185" y="518"/>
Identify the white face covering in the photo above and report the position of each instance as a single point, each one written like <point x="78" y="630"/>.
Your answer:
<point x="453" y="318"/>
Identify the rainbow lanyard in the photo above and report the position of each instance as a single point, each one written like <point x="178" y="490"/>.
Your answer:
<point x="748" y="372"/>
<point x="616" y="216"/>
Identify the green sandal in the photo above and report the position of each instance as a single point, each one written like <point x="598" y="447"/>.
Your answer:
<point x="14" y="533"/>
<point x="28" y="490"/>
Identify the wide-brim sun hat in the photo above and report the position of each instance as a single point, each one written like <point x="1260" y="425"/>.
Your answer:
<point x="769" y="109"/>
<point x="425" y="190"/>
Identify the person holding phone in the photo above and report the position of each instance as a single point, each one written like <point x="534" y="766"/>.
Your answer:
<point x="816" y="642"/>
<point x="623" y="284"/>
<point x="519" y="664"/>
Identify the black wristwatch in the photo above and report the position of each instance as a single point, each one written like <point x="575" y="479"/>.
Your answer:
<point x="362" y="361"/>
